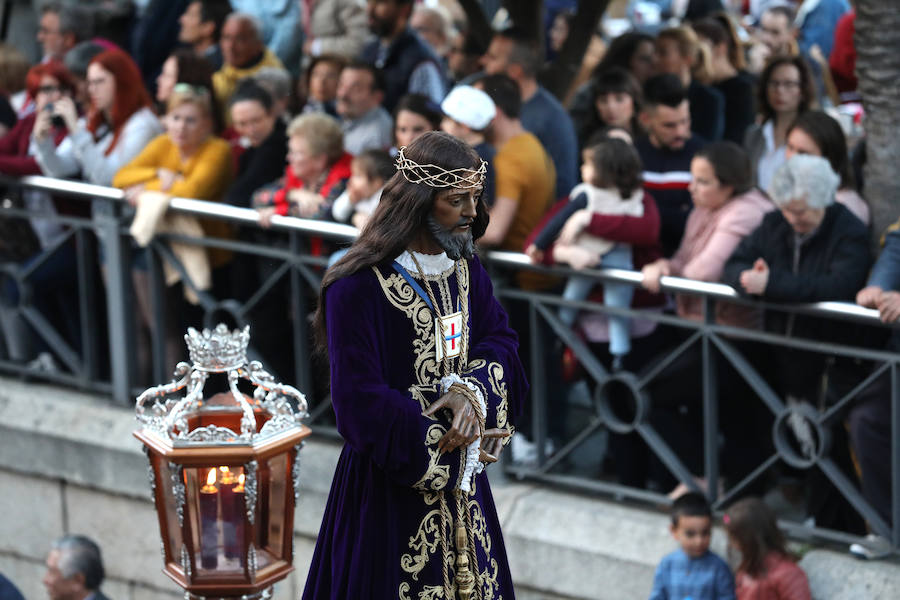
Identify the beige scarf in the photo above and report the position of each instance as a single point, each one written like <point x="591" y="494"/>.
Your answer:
<point x="151" y="218"/>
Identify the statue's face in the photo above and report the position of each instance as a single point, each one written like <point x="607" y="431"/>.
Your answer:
<point x="451" y="219"/>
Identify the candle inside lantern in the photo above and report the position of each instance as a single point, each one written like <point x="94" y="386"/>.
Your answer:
<point x="209" y="532"/>
<point x="232" y="519"/>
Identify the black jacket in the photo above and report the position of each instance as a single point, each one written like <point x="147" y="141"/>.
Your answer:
<point x="832" y="264"/>
<point x="259" y="166"/>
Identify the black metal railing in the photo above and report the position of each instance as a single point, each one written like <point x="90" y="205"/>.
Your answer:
<point x="282" y="273"/>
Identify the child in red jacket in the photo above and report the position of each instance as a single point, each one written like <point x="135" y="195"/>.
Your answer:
<point x="767" y="570"/>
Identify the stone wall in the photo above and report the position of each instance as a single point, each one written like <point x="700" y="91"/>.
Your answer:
<point x="77" y="469"/>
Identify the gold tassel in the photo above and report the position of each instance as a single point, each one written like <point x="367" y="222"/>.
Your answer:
<point x="465" y="581"/>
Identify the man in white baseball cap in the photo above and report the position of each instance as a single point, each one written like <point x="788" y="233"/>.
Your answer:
<point x="468" y="113"/>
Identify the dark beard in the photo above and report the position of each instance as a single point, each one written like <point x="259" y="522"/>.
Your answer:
<point x="456" y="245"/>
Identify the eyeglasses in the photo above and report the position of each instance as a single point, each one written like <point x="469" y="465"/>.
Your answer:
<point x="49" y="89"/>
<point x="774" y="84"/>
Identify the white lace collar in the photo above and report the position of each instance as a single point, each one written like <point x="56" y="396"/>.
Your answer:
<point x="432" y="264"/>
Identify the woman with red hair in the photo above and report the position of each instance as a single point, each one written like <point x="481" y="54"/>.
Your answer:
<point x="45" y="84"/>
<point x="118" y="124"/>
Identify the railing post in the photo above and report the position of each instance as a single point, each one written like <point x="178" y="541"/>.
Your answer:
<point x="710" y="403"/>
<point x="302" y="356"/>
<point x="538" y="383"/>
<point x="118" y="301"/>
<point x="85" y="260"/>
<point x="895" y="455"/>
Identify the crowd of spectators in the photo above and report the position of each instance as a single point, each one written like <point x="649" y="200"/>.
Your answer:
<point x="711" y="149"/>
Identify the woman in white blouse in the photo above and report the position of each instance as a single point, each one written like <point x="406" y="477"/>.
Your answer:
<point x="118" y="124"/>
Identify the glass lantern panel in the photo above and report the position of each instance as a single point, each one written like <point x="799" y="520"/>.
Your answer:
<point x="169" y="484"/>
<point x="216" y="496"/>
<point x="279" y="479"/>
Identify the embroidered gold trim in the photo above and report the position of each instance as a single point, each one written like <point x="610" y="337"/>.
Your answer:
<point x="436" y="475"/>
<point x="423" y="543"/>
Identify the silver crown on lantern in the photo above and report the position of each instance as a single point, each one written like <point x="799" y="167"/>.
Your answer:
<point x="219" y="349"/>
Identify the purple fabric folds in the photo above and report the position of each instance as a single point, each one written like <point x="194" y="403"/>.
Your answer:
<point x="386" y="518"/>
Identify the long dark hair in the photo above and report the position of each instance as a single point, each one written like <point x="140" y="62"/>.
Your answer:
<point x="829" y="137"/>
<point x="621" y="50"/>
<point x="751" y="524"/>
<point x="401" y="215"/>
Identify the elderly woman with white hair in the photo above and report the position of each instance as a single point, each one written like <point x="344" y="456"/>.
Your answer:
<point x="810" y="250"/>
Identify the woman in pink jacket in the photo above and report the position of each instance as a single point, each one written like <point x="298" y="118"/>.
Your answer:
<point x="727" y="207"/>
<point x="767" y="570"/>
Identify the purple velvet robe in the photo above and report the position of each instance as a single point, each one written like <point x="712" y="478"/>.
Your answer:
<point x="381" y="533"/>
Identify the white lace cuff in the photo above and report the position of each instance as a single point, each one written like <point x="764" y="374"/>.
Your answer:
<point x="473" y="450"/>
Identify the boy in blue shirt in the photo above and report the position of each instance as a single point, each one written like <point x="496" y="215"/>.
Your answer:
<point x="692" y="572"/>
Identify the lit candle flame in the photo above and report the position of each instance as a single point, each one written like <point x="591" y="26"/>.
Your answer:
<point x="210" y="487"/>
<point x="227" y="476"/>
<point x="239" y="488"/>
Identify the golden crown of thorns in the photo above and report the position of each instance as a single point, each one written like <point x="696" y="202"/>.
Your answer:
<point x="439" y="177"/>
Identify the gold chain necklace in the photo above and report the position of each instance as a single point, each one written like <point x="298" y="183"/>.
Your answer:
<point x="464" y="305"/>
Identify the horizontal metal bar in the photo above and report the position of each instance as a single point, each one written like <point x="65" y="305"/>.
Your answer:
<point x="87" y="191"/>
<point x="202" y="208"/>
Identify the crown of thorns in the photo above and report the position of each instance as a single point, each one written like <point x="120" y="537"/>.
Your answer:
<point x="439" y="177"/>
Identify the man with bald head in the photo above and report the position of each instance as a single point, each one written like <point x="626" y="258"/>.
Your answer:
<point x="243" y="54"/>
<point x="74" y="569"/>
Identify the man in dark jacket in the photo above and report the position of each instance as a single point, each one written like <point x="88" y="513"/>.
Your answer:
<point x="409" y="64"/>
<point x="254" y="118"/>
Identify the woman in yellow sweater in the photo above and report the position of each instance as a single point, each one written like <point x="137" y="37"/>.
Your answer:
<point x="186" y="161"/>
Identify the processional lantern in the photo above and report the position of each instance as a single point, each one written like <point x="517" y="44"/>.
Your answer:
<point x="224" y="470"/>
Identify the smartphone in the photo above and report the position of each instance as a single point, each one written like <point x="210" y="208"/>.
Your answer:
<point x="56" y="120"/>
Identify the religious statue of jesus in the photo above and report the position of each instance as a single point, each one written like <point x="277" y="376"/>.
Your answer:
<point x="426" y="384"/>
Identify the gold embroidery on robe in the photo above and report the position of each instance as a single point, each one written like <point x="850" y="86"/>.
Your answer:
<point x="423" y="544"/>
<point x="402" y="296"/>
<point x="426" y="541"/>
<point x="436" y="475"/>
<point x="495" y="378"/>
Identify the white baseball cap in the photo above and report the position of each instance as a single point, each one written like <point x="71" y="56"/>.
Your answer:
<point x="469" y="106"/>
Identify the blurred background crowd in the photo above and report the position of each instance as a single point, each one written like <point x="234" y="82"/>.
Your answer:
<point x="715" y="140"/>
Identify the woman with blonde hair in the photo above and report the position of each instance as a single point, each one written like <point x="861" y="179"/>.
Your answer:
<point x="679" y="52"/>
<point x="187" y="161"/>
<point x="317" y="172"/>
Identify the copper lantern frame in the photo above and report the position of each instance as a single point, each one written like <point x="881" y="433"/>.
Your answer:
<point x="224" y="471"/>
